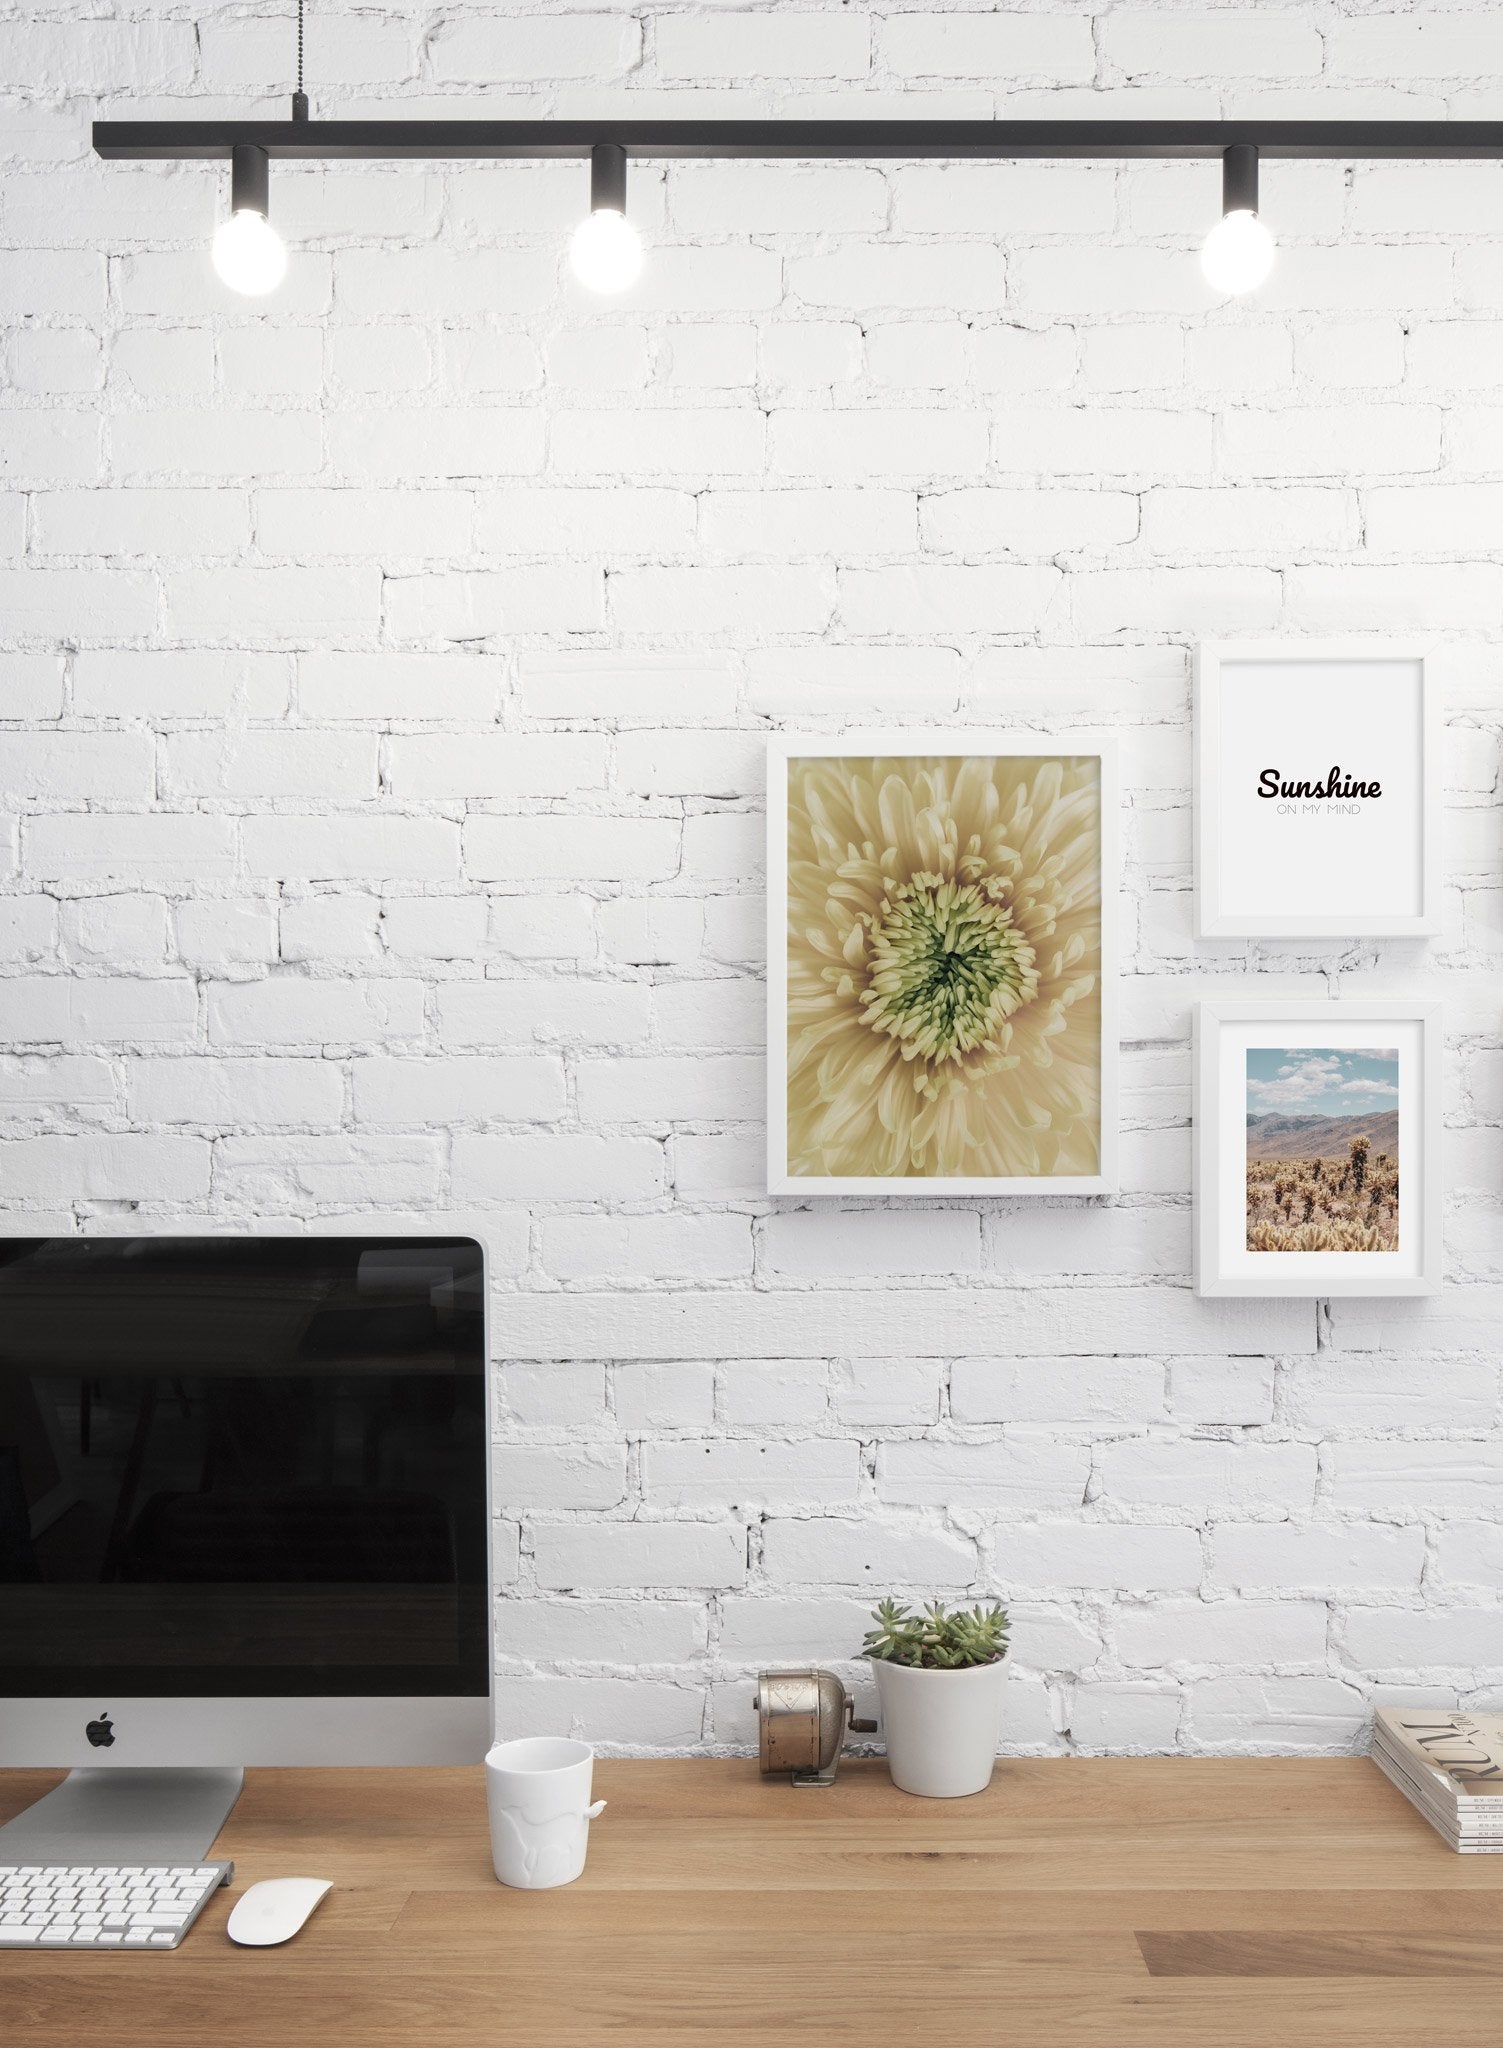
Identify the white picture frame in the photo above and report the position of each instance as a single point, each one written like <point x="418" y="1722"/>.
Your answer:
<point x="787" y="1172"/>
<point x="1235" y="1042"/>
<point x="1340" y="865"/>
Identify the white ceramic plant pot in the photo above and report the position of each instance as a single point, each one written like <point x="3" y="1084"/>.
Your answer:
<point x="942" y="1727"/>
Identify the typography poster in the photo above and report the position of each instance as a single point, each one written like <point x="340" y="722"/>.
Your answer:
<point x="1315" y="792"/>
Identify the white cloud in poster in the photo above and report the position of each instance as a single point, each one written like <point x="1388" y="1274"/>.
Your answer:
<point x="1321" y="1082"/>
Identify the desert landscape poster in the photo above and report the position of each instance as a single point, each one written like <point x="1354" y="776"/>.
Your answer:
<point x="1322" y="1149"/>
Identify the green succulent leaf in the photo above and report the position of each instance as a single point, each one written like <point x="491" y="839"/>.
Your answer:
<point x="938" y="1639"/>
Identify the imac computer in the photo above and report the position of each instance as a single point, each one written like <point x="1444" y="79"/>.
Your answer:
<point x="243" y="1520"/>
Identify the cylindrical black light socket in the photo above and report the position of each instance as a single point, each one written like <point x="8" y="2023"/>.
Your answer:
<point x="250" y="179"/>
<point x="608" y="178"/>
<point x="1239" y="178"/>
<point x="300" y="105"/>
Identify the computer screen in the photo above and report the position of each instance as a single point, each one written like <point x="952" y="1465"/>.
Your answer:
<point x="242" y="1467"/>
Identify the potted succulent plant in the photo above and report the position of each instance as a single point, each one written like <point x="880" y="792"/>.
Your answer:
<point x="939" y="1680"/>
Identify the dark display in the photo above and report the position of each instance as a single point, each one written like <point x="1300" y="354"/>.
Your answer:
<point x="242" y="1466"/>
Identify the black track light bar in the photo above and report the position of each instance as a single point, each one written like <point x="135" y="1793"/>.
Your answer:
<point x="184" y="141"/>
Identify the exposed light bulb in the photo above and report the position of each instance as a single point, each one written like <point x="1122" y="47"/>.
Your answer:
<point x="1238" y="253"/>
<point x="606" y="251"/>
<point x="249" y="253"/>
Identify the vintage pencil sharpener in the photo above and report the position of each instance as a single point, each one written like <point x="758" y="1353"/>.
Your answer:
<point x="801" y="1722"/>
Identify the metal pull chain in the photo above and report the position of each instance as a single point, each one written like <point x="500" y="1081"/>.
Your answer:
<point x="299" y="98"/>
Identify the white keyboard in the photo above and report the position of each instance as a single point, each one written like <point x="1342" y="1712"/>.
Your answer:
<point x="98" y="1905"/>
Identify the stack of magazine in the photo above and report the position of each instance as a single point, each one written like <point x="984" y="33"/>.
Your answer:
<point x="1451" y="1767"/>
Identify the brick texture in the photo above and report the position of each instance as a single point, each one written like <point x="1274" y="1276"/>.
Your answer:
<point x="384" y="674"/>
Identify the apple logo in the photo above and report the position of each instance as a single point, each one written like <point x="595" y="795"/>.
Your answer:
<point x="101" y="1733"/>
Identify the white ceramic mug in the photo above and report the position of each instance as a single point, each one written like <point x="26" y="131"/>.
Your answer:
<point x="538" y="1790"/>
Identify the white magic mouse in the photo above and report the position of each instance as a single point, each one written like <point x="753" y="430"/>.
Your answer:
<point x="274" y="1910"/>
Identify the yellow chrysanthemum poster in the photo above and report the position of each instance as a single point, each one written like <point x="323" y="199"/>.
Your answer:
<point x="941" y="969"/>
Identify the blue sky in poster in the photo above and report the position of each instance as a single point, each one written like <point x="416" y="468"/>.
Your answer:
<point x="1317" y="1081"/>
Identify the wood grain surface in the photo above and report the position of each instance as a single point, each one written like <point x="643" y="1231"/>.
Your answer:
<point x="1241" y="1954"/>
<point x="1087" y="1903"/>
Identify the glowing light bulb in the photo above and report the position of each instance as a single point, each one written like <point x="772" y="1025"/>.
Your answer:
<point x="606" y="251"/>
<point x="1238" y="253"/>
<point x="249" y="254"/>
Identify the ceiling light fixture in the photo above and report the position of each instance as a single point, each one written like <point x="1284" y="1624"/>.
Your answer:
<point x="606" y="250"/>
<point x="1239" y="251"/>
<point x="248" y="252"/>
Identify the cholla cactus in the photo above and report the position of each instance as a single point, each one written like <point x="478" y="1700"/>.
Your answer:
<point x="1360" y="1149"/>
<point x="938" y="1639"/>
<point x="1318" y="1237"/>
<point x="1347" y="1203"/>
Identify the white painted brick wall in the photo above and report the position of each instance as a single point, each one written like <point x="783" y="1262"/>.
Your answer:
<point x="384" y="677"/>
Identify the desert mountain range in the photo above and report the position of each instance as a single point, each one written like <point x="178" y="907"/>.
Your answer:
<point x="1272" y="1136"/>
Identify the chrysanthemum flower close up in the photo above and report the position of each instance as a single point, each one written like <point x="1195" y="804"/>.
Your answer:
<point x="944" y="966"/>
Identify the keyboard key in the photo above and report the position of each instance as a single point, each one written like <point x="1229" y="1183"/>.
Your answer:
<point x="163" y="1940"/>
<point x="17" y="1930"/>
<point x="109" y="1940"/>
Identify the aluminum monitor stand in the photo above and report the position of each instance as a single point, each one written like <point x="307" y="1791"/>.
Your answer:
<point x="124" y="1816"/>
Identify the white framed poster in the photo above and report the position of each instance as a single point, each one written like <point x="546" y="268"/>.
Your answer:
<point x="1316" y="790"/>
<point x="942" y="972"/>
<point x="1317" y="1148"/>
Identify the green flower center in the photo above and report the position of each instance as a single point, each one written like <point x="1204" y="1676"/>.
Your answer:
<point x="947" y="967"/>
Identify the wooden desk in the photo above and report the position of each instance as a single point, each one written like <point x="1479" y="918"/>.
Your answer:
<point x="1122" y="1903"/>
